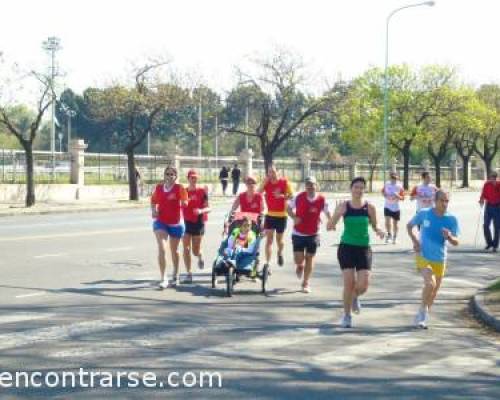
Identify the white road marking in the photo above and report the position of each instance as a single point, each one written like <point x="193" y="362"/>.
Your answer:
<point x="457" y="366"/>
<point x="22" y="296"/>
<point x="73" y="234"/>
<point x="349" y="356"/>
<point x="113" y="249"/>
<point x="62" y="332"/>
<point x="7" y="319"/>
<point x="51" y="255"/>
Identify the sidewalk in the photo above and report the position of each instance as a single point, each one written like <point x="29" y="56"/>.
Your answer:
<point x="486" y="306"/>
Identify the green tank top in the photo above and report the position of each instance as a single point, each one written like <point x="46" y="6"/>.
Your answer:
<point x="356" y="223"/>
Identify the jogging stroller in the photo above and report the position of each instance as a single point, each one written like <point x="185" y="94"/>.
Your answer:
<point x="227" y="266"/>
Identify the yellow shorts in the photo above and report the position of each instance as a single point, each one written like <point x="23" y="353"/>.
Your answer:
<point x="438" y="267"/>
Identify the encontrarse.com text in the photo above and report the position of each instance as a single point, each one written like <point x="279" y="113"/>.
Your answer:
<point x="107" y="379"/>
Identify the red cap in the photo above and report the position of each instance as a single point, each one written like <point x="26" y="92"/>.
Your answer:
<point x="192" y="173"/>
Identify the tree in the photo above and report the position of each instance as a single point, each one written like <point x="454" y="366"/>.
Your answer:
<point x="281" y="107"/>
<point x="134" y="110"/>
<point x="361" y="119"/>
<point x="22" y="122"/>
<point x="489" y="140"/>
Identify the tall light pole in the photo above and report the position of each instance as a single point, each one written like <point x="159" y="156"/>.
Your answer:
<point x="69" y="114"/>
<point x="52" y="45"/>
<point x="200" y="127"/>
<point x="216" y="140"/>
<point x="246" y="128"/>
<point x="386" y="77"/>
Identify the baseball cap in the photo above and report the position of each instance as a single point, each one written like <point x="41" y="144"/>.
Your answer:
<point x="310" y="179"/>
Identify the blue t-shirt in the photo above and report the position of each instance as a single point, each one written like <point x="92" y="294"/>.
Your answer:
<point x="432" y="241"/>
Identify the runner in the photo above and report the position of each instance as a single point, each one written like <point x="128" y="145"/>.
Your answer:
<point x="277" y="191"/>
<point x="491" y="196"/>
<point x="424" y="193"/>
<point x="166" y="202"/>
<point x="354" y="253"/>
<point x="250" y="200"/>
<point x="437" y="227"/>
<point x="195" y="216"/>
<point x="305" y="210"/>
<point x="393" y="192"/>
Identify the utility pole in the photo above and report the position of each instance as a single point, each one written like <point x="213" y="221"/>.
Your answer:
<point x="200" y="126"/>
<point x="52" y="45"/>
<point x="246" y="128"/>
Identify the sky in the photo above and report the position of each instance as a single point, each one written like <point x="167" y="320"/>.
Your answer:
<point x="336" y="38"/>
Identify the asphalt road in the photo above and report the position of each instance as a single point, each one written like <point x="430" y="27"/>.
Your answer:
<point x="78" y="291"/>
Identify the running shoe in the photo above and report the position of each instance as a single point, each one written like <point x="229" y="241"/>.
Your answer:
<point x="281" y="260"/>
<point x="201" y="263"/>
<point x="306" y="289"/>
<point x="299" y="271"/>
<point x="356" y="305"/>
<point x="163" y="284"/>
<point x="173" y="282"/>
<point x="424" y="320"/>
<point x="388" y="237"/>
<point x="188" y="280"/>
<point x="394" y="241"/>
<point x="346" y="321"/>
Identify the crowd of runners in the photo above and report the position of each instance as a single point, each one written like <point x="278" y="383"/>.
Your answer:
<point x="180" y="214"/>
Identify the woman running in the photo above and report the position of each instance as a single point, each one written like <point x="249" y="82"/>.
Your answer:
<point x="354" y="253"/>
<point x="195" y="216"/>
<point x="250" y="200"/>
<point x="166" y="202"/>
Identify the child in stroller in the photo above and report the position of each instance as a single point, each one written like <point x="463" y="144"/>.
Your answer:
<point x="239" y="253"/>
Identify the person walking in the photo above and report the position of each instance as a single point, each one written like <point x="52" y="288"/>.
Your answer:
<point x="490" y="199"/>
<point x="437" y="229"/>
<point x="167" y="201"/>
<point x="305" y="210"/>
<point x="195" y="216"/>
<point x="224" y="177"/>
<point x="354" y="252"/>
<point x="393" y="193"/>
<point x="277" y="191"/>
<point x="235" y="177"/>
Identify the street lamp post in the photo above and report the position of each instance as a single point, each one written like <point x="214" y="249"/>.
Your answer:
<point x="386" y="78"/>
<point x="51" y="45"/>
<point x="69" y="114"/>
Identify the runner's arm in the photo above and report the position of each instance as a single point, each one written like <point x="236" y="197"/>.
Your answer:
<point x="339" y="213"/>
<point x="235" y="205"/>
<point x="372" y="214"/>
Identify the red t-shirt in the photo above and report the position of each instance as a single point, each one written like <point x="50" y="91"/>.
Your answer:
<point x="169" y="203"/>
<point x="309" y="213"/>
<point x="254" y="205"/>
<point x="197" y="198"/>
<point x="276" y="197"/>
<point x="491" y="192"/>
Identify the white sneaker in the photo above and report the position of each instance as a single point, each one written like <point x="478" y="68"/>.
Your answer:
<point x="306" y="289"/>
<point x="388" y="238"/>
<point x="356" y="305"/>
<point x="163" y="284"/>
<point x="173" y="282"/>
<point x="421" y="319"/>
<point x="346" y="321"/>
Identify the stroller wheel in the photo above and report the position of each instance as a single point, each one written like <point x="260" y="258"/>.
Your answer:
<point x="265" y="278"/>
<point x="230" y="281"/>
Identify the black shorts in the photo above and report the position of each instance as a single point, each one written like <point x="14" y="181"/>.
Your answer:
<point x="195" y="228"/>
<point x="277" y="224"/>
<point x="307" y="243"/>
<point x="396" y="215"/>
<point x="358" y="257"/>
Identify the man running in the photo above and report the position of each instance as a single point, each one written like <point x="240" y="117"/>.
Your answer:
<point x="195" y="216"/>
<point x="354" y="252"/>
<point x="491" y="196"/>
<point x="305" y="210"/>
<point x="277" y="191"/>
<point x="424" y="193"/>
<point x="166" y="202"/>
<point x="393" y="193"/>
<point x="437" y="228"/>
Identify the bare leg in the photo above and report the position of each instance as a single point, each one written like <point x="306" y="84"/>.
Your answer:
<point x="280" y="242"/>
<point x="269" y="244"/>
<point x="428" y="289"/>
<point x="349" y="285"/>
<point x="174" y="251"/>
<point x="388" y="225"/>
<point x="308" y="269"/>
<point x="186" y="244"/>
<point x="439" y="280"/>
<point x="299" y="259"/>
<point x="362" y="282"/>
<point x="161" y="238"/>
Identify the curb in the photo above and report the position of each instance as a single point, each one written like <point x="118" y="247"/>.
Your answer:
<point x="70" y="210"/>
<point x="480" y="311"/>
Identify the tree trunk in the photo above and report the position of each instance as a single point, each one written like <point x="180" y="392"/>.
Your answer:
<point x="406" y="165"/>
<point x="487" y="165"/>
<point x="372" y="168"/>
<point x="465" y="171"/>
<point x="437" y="167"/>
<point x="132" y="179"/>
<point x="30" y="178"/>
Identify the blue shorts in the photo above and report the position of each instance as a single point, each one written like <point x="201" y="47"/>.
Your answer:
<point x="176" y="231"/>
